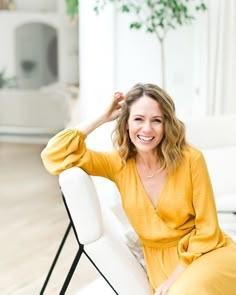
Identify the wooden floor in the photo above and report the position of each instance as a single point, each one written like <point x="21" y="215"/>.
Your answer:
<point x="32" y="222"/>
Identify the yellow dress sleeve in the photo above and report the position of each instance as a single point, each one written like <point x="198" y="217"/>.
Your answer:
<point x="68" y="149"/>
<point x="63" y="150"/>
<point x="206" y="234"/>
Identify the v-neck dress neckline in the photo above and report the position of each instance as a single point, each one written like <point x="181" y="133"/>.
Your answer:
<point x="146" y="196"/>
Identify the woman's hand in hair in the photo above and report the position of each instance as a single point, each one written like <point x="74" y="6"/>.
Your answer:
<point x="113" y="111"/>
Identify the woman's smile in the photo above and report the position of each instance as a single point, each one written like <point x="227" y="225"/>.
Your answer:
<point x="145" y="138"/>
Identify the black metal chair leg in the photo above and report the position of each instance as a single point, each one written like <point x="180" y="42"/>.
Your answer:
<point x="72" y="269"/>
<point x="75" y="261"/>
<point x="55" y="259"/>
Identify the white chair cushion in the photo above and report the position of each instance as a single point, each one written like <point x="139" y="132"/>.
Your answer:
<point x="113" y="257"/>
<point x="98" y="286"/>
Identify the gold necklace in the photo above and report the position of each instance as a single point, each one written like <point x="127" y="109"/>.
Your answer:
<point x="154" y="174"/>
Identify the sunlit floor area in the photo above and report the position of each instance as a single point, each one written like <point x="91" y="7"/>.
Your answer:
<point x="33" y="221"/>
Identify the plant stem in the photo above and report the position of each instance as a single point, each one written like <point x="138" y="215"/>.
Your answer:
<point x="163" y="74"/>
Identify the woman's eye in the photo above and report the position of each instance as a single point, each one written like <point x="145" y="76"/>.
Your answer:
<point x="137" y="119"/>
<point x="157" y="121"/>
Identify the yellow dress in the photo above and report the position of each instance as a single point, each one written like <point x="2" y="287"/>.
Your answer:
<point x="182" y="228"/>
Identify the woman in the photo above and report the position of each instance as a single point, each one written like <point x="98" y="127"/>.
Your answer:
<point x="165" y="190"/>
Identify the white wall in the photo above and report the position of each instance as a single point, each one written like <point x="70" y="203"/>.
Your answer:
<point x="113" y="57"/>
<point x="97" y="68"/>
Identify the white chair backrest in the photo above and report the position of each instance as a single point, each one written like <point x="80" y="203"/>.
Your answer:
<point x="83" y="204"/>
<point x="215" y="136"/>
<point x="212" y="131"/>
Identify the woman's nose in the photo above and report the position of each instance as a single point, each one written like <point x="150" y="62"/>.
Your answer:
<point x="147" y="126"/>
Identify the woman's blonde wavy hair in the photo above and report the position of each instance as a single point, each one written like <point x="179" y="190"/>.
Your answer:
<point x="170" y="149"/>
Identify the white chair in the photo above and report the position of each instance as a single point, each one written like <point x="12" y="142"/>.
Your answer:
<point x="100" y="237"/>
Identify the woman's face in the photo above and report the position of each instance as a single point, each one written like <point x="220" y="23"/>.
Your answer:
<point x="145" y="124"/>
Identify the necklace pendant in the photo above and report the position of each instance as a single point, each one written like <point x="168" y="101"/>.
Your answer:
<point x="154" y="174"/>
<point x="150" y="176"/>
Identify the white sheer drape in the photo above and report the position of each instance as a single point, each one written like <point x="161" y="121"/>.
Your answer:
<point x="221" y="56"/>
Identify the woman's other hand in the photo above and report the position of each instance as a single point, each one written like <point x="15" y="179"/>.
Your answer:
<point x="165" y="286"/>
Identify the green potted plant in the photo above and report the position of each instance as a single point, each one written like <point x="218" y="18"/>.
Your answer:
<point x="157" y="17"/>
<point x="72" y="8"/>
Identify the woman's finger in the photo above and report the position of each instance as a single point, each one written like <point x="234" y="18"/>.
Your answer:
<point x="118" y="96"/>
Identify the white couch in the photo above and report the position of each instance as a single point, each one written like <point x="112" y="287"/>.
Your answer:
<point x="101" y="232"/>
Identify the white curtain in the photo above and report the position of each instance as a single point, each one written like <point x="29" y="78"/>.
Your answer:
<point x="221" y="57"/>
